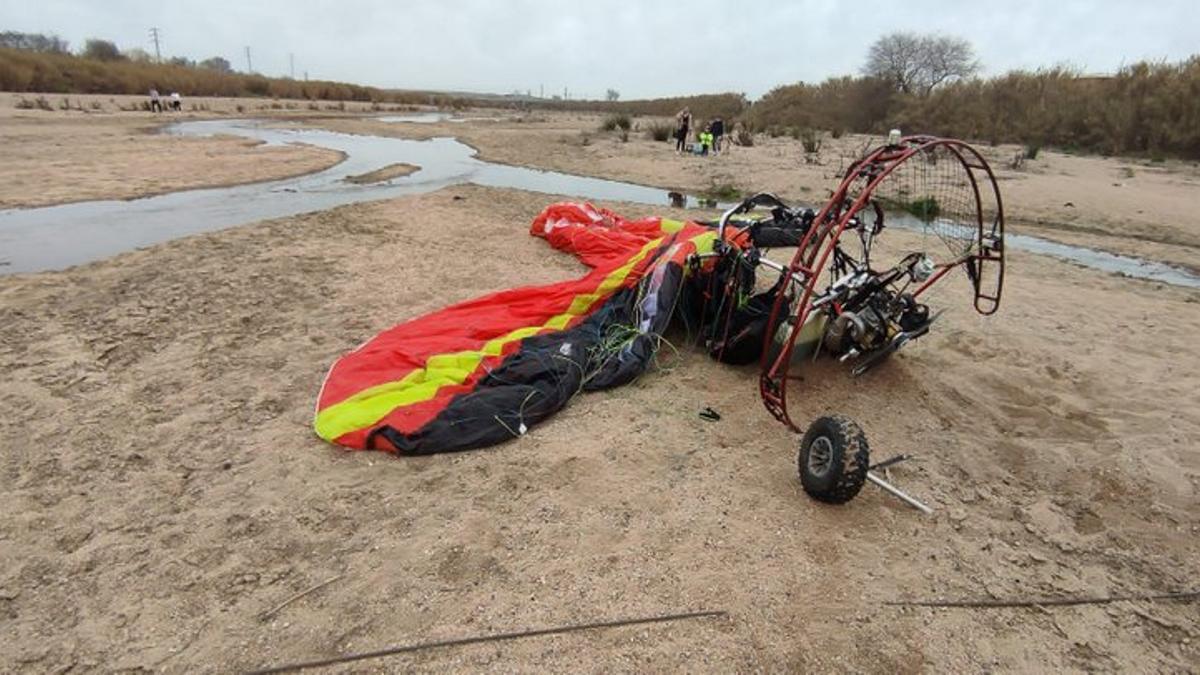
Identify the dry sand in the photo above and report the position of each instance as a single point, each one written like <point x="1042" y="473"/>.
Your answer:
<point x="80" y="159"/>
<point x="105" y="152"/>
<point x="162" y="488"/>
<point x="384" y="174"/>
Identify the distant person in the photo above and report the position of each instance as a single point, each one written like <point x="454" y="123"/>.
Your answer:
<point x="176" y="102"/>
<point x="155" y="102"/>
<point x="683" y="120"/>
<point x="706" y="140"/>
<point x="698" y="146"/>
<point x="718" y="130"/>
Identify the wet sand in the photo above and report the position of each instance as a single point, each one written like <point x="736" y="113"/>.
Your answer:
<point x="384" y="174"/>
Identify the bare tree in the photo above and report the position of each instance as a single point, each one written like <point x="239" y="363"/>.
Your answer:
<point x="35" y="42"/>
<point x="947" y="58"/>
<point x="896" y="57"/>
<point x="916" y="64"/>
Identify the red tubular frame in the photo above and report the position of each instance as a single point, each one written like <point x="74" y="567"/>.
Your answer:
<point x="822" y="238"/>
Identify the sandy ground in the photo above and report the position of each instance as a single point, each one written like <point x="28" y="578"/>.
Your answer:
<point x="384" y="174"/>
<point x="101" y="149"/>
<point x="163" y="488"/>
<point x="1122" y="205"/>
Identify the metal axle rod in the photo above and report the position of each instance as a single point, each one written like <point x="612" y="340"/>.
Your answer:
<point x="898" y="493"/>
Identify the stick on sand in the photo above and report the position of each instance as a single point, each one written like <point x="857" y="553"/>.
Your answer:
<point x="1042" y="602"/>
<point x="488" y="638"/>
<point x="275" y="610"/>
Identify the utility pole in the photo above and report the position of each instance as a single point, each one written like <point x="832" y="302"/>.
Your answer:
<point x="541" y="91"/>
<point x="249" y="65"/>
<point x="292" y="64"/>
<point x="154" y="35"/>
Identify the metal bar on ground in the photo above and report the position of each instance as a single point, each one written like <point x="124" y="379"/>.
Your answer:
<point x="899" y="494"/>
<point x="889" y="462"/>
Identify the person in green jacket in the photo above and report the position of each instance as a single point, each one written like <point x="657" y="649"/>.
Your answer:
<point x="706" y="140"/>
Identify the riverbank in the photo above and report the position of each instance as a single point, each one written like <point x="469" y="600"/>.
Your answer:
<point x="1122" y="205"/>
<point x="102" y="147"/>
<point x="88" y="153"/>
<point x="166" y="490"/>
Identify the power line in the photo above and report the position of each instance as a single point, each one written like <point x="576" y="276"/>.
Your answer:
<point x="154" y="35"/>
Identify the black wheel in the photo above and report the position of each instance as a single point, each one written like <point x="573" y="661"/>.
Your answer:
<point x="833" y="459"/>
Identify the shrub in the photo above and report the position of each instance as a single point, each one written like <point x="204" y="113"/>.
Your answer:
<point x="660" y="131"/>
<point x="811" y="140"/>
<point x="101" y="50"/>
<point x="613" y="122"/>
<point x="925" y="208"/>
<point x="725" y="192"/>
<point x="1031" y="150"/>
<point x="63" y="73"/>
<point x="1144" y="108"/>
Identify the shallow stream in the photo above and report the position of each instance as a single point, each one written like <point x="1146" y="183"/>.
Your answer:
<point x="56" y="237"/>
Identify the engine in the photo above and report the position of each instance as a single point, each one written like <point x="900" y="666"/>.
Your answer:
<point x="878" y="318"/>
<point x="869" y="316"/>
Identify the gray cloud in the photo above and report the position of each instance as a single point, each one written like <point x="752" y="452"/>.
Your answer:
<point x="640" y="49"/>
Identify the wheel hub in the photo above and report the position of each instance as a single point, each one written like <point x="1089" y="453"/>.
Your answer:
<point x="820" y="456"/>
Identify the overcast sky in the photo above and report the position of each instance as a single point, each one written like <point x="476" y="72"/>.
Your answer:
<point x="642" y="49"/>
